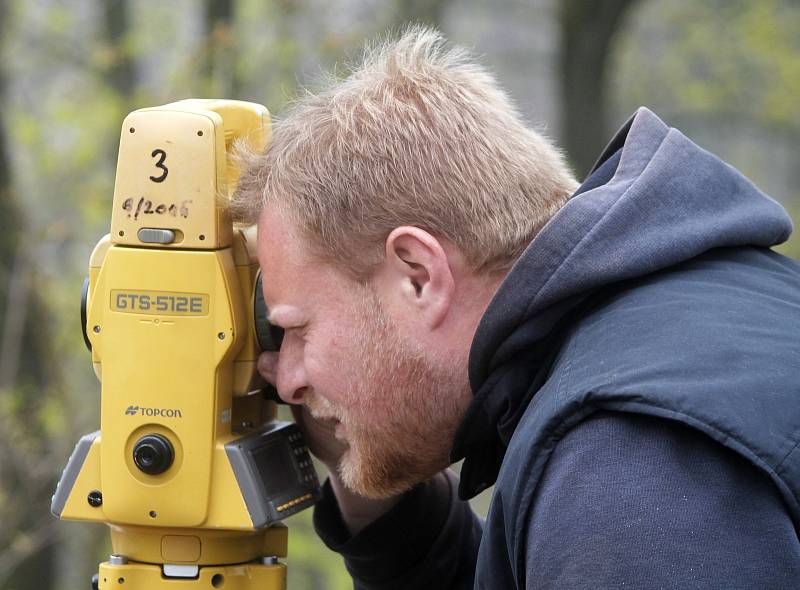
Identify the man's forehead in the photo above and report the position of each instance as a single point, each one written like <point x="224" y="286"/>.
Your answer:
<point x="278" y="238"/>
<point x="273" y="225"/>
<point x="281" y="253"/>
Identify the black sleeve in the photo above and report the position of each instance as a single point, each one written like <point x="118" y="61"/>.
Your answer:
<point x="429" y="540"/>
<point x="632" y="501"/>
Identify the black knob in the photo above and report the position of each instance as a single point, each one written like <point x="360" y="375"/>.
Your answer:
<point x="95" y="498"/>
<point x="153" y="454"/>
<point x="95" y="582"/>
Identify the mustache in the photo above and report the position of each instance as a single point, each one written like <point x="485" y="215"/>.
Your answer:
<point x="322" y="409"/>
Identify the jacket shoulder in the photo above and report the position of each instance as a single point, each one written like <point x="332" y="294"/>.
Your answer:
<point x="632" y="500"/>
<point x="672" y="346"/>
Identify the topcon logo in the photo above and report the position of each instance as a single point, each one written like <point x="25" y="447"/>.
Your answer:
<point x="153" y="412"/>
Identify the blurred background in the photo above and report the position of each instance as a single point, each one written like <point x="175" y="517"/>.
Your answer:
<point x="725" y="72"/>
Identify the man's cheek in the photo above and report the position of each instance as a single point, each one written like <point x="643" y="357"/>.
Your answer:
<point x="330" y="378"/>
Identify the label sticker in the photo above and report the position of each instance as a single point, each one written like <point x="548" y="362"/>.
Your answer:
<point x="159" y="302"/>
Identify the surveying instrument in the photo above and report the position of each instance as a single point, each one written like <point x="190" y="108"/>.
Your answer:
<point x="190" y="469"/>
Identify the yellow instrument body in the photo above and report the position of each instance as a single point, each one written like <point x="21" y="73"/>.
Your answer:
<point x="170" y="316"/>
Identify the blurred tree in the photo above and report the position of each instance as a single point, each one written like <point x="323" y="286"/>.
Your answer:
<point x="218" y="68"/>
<point x="428" y="12"/>
<point x="26" y="379"/>
<point x="587" y="30"/>
<point x="727" y="73"/>
<point x="733" y="59"/>
<point x="119" y="70"/>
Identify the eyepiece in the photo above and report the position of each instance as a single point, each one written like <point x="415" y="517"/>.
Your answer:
<point x="269" y="335"/>
<point x="153" y="454"/>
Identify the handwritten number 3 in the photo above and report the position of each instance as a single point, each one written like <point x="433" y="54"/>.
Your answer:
<point x="161" y="155"/>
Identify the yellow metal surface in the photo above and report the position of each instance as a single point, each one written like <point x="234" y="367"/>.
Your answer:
<point x="172" y="332"/>
<point x="215" y="547"/>
<point x="174" y="157"/>
<point x="212" y="547"/>
<point x="180" y="548"/>
<point x="88" y="480"/>
<point x="95" y="262"/>
<point x="139" y="576"/>
<point x="243" y="121"/>
<point x="170" y="371"/>
<point x="99" y="252"/>
<point x="169" y="161"/>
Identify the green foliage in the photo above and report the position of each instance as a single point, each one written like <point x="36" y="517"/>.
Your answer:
<point x="737" y="58"/>
<point x="727" y="73"/>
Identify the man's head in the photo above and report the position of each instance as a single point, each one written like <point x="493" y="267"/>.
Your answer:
<point x="390" y="206"/>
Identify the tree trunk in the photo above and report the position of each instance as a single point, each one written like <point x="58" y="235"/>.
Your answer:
<point x="588" y="30"/>
<point x="8" y="222"/>
<point x="121" y="73"/>
<point x="219" y="63"/>
<point x="27" y="376"/>
<point x="428" y="12"/>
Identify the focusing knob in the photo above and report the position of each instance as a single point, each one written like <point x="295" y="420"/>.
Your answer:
<point x="153" y="454"/>
<point x="84" y="298"/>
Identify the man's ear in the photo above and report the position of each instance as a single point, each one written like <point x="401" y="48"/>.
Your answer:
<point x="416" y="275"/>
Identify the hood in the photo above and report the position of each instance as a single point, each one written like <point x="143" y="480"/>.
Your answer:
<point x="653" y="200"/>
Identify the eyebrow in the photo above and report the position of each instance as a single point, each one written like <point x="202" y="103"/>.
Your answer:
<point x="271" y="315"/>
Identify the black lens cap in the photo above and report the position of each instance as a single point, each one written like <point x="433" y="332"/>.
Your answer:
<point x="153" y="454"/>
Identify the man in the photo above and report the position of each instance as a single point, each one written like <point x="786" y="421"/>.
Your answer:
<point x="622" y="358"/>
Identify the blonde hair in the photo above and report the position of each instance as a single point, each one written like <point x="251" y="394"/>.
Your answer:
<point x="418" y="134"/>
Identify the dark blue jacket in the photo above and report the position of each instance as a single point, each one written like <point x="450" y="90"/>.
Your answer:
<point x="637" y="398"/>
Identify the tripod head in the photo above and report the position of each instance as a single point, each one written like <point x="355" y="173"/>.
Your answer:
<point x="189" y="468"/>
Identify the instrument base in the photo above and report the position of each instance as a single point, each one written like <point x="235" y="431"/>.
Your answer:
<point x="143" y="576"/>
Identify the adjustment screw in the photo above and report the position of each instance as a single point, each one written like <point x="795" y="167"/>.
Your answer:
<point x="221" y="335"/>
<point x="95" y="499"/>
<point x="96" y="329"/>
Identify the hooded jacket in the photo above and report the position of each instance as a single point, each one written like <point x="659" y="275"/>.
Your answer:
<point x="636" y="384"/>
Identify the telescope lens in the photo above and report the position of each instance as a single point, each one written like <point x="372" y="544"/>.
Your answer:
<point x="153" y="454"/>
<point x="147" y="456"/>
